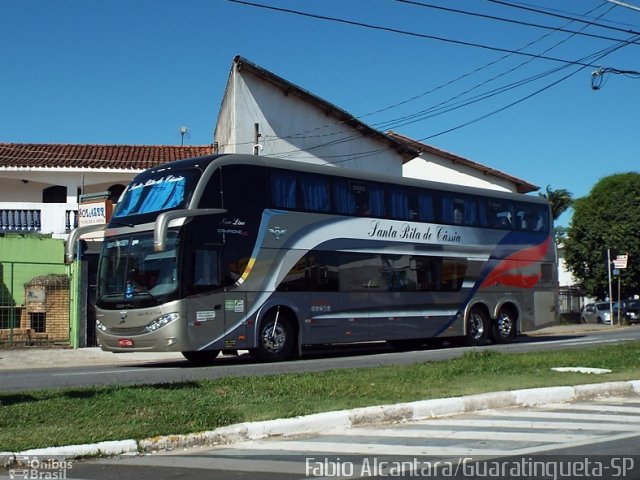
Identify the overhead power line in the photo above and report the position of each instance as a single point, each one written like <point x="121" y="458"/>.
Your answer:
<point x="406" y="32"/>
<point x="581" y="63"/>
<point x="428" y="113"/>
<point x="510" y="20"/>
<point x="566" y="17"/>
<point x="443" y="108"/>
<point x="599" y="55"/>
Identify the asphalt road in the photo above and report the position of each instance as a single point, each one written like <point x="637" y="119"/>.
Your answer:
<point x="361" y="355"/>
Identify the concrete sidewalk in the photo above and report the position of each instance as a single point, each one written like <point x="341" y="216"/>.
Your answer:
<point x="38" y="357"/>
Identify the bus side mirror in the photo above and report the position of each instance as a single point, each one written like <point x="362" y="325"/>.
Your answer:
<point x="74" y="236"/>
<point x="162" y="223"/>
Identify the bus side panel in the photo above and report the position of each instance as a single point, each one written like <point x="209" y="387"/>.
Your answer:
<point x="395" y="315"/>
<point x="236" y="306"/>
<point x="330" y="317"/>
<point x="409" y="315"/>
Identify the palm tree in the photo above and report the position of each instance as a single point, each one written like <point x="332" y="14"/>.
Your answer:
<point x="560" y="200"/>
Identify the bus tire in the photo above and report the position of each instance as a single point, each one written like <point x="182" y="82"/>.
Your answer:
<point x="276" y="339"/>
<point x="201" y="357"/>
<point x="477" y="330"/>
<point x="506" y="325"/>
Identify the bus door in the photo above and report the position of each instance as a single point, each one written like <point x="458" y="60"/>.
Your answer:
<point x="206" y="304"/>
<point x="217" y="315"/>
<point x="205" y="319"/>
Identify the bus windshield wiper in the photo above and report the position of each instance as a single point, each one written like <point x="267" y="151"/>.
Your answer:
<point x="147" y="292"/>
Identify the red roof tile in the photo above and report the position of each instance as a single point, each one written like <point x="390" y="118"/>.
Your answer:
<point x="125" y="157"/>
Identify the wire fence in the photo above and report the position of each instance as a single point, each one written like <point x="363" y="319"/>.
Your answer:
<point x="34" y="304"/>
<point x="571" y="301"/>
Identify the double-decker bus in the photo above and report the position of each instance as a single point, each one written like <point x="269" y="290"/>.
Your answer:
<point x="242" y="252"/>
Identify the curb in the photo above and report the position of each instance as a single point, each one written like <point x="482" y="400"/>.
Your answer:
<point x="314" y="423"/>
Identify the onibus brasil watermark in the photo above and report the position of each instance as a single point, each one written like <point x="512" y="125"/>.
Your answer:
<point x="42" y="468"/>
<point x="554" y="468"/>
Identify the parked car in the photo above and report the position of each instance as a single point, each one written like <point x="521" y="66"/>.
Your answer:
<point x="632" y="312"/>
<point x="599" y="312"/>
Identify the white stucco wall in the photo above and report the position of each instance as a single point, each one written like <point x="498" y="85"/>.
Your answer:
<point x="565" y="278"/>
<point x="293" y="129"/>
<point x="437" y="169"/>
<point x="14" y="189"/>
<point x="18" y="195"/>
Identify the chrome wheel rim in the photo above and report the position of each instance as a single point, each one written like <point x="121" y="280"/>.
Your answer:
<point x="505" y="325"/>
<point x="476" y="326"/>
<point x="273" y="339"/>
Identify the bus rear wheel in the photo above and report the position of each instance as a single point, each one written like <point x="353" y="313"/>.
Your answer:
<point x="201" y="357"/>
<point x="505" y="326"/>
<point x="477" y="327"/>
<point x="276" y="337"/>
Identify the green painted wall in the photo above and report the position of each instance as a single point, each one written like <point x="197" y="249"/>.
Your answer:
<point x="31" y="249"/>
<point x="22" y="258"/>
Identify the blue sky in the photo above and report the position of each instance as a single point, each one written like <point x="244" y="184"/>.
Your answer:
<point x="134" y="72"/>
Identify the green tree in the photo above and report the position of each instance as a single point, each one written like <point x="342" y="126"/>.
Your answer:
<point x="560" y="200"/>
<point x="607" y="218"/>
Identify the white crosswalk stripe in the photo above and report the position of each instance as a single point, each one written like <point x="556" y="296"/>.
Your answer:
<point x="498" y="433"/>
<point x="517" y="431"/>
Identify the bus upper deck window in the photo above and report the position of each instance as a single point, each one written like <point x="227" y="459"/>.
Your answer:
<point x="283" y="190"/>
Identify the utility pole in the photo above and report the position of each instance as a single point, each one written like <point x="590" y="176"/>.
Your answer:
<point x="256" y="139"/>
<point x="610" y="288"/>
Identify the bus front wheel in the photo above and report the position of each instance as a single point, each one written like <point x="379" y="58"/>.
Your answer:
<point x="477" y="327"/>
<point x="201" y="357"/>
<point x="276" y="337"/>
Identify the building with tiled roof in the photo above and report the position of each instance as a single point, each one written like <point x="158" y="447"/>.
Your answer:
<point x="133" y="158"/>
<point x="40" y="183"/>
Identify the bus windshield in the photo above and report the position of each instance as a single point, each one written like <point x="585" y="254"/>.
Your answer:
<point x="131" y="271"/>
<point x="155" y="192"/>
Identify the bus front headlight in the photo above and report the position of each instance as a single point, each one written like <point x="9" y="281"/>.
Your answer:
<point x="162" y="321"/>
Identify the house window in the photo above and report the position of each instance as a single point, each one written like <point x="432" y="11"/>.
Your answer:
<point x="115" y="191"/>
<point x="56" y="194"/>
<point x="38" y="321"/>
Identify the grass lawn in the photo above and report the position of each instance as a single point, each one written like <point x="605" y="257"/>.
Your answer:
<point x="88" y="415"/>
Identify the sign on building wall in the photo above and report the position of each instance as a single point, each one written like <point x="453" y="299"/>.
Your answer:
<point x="94" y="212"/>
